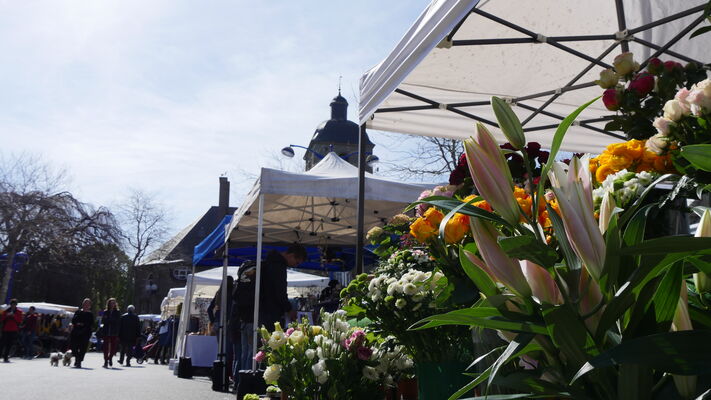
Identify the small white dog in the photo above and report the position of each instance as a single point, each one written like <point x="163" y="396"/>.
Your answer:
<point x="67" y="359"/>
<point x="54" y="359"/>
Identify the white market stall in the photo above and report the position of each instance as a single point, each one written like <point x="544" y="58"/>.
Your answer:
<point x="315" y="207"/>
<point x="169" y="305"/>
<point x="45" y="308"/>
<point x="542" y="56"/>
<point x="202" y="349"/>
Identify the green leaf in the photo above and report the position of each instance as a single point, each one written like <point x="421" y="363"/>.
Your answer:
<point x="485" y="317"/>
<point x="571" y="259"/>
<point x="699" y="155"/>
<point x="529" y="248"/>
<point x="569" y="334"/>
<point x="556" y="143"/>
<point x="448" y="204"/>
<point x="680" y="353"/>
<point x="509" y="123"/>
<point x="481" y="279"/>
<point x="700" y="31"/>
<point x="667" y="295"/>
<point x="613" y="242"/>
<point x="620" y="303"/>
<point x="669" y="244"/>
<point x="631" y="211"/>
<point x="634" y="233"/>
<point x="519" y="343"/>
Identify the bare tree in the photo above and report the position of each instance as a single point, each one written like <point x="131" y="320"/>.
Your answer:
<point x="36" y="213"/>
<point x="144" y="225"/>
<point x="421" y="157"/>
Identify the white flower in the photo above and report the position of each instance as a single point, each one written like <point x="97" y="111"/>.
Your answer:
<point x="297" y="337"/>
<point x="277" y="339"/>
<point x="322" y="378"/>
<point x="394" y="287"/>
<point x="319" y="368"/>
<point x="272" y="373"/>
<point x="700" y="98"/>
<point x="400" y="303"/>
<point x="310" y="354"/>
<point x="673" y="110"/>
<point x="370" y="373"/>
<point x="662" y="125"/>
<point x="318" y="339"/>
<point x="409" y="289"/>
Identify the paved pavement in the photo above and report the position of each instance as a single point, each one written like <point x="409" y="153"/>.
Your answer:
<point x="37" y="380"/>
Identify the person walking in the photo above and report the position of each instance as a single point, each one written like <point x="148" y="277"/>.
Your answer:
<point x="129" y="332"/>
<point x="11" y="320"/>
<point x="30" y="327"/>
<point x="80" y="333"/>
<point x="110" y="324"/>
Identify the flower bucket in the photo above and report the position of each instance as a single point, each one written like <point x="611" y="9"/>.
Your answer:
<point x="439" y="380"/>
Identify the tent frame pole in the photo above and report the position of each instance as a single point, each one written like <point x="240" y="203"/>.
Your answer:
<point x="222" y="348"/>
<point x="360" y="224"/>
<point x="258" y="281"/>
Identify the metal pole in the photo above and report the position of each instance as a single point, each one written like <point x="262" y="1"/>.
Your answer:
<point x="221" y="355"/>
<point x="621" y="23"/>
<point x="360" y="231"/>
<point x="258" y="282"/>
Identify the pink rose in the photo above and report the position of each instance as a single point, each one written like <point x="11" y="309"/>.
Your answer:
<point x="662" y="125"/>
<point x="364" y="353"/>
<point x="642" y="84"/>
<point x="289" y="332"/>
<point x="681" y="97"/>
<point x="260" y="356"/>
<point x="611" y="98"/>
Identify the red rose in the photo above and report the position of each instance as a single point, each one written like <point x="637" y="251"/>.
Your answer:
<point x="672" y="65"/>
<point x="611" y="98"/>
<point x="655" y="66"/>
<point x="642" y="84"/>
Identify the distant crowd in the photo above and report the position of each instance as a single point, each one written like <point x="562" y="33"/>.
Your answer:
<point x="30" y="335"/>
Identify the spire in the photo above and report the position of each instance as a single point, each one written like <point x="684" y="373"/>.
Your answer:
<point x="339" y="107"/>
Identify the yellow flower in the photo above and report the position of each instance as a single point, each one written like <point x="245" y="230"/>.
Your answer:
<point x="423" y="230"/>
<point x="457" y="227"/>
<point x="433" y="216"/>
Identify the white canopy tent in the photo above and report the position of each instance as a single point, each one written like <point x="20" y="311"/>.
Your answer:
<point x="169" y="305"/>
<point x="45" y="308"/>
<point x="206" y="283"/>
<point x="316" y="207"/>
<point x="542" y="56"/>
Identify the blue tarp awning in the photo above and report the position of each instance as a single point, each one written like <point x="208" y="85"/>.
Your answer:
<point x="206" y="255"/>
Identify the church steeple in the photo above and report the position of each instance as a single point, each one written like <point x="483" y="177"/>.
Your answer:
<point x="339" y="107"/>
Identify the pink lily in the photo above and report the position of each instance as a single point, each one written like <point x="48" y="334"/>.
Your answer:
<point x="507" y="270"/>
<point x="574" y="193"/>
<point x="542" y="284"/>
<point x="606" y="208"/>
<point x="491" y="174"/>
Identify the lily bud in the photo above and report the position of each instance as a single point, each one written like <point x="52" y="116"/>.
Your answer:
<point x="574" y="193"/>
<point x="608" y="79"/>
<point x="491" y="174"/>
<point x="509" y="123"/>
<point x="541" y="282"/>
<point x="685" y="385"/>
<point x="507" y="270"/>
<point x="701" y="279"/>
<point x="606" y="207"/>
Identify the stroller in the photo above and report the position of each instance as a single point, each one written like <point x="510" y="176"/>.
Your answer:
<point x="147" y="351"/>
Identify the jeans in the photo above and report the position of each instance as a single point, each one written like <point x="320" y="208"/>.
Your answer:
<point x="28" y="339"/>
<point x="247" y="331"/>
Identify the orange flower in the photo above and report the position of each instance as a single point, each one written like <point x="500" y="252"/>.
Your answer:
<point x="457" y="227"/>
<point x="423" y="230"/>
<point x="481" y="203"/>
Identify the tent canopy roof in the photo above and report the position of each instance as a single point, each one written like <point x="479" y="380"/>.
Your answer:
<point x="440" y="77"/>
<point x="213" y="277"/>
<point x="318" y="206"/>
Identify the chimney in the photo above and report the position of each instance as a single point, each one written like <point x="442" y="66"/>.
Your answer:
<point x="224" y="203"/>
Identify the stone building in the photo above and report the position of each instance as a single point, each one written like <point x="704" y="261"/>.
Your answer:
<point x="337" y="134"/>
<point x="168" y="266"/>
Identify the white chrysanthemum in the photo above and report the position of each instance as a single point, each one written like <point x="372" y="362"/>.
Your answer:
<point x="409" y="289"/>
<point x="400" y="303"/>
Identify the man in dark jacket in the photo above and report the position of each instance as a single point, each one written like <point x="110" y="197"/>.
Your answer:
<point x="273" y="301"/>
<point x="129" y="332"/>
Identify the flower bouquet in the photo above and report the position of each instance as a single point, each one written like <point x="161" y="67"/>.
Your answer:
<point x="590" y="308"/>
<point x="332" y="361"/>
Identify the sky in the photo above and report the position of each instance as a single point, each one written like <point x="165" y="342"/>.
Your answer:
<point x="166" y="96"/>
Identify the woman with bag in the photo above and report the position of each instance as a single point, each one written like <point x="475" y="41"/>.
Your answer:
<point x="110" y="323"/>
<point x="81" y="332"/>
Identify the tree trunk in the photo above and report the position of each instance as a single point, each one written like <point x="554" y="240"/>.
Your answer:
<point x="7" y="275"/>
